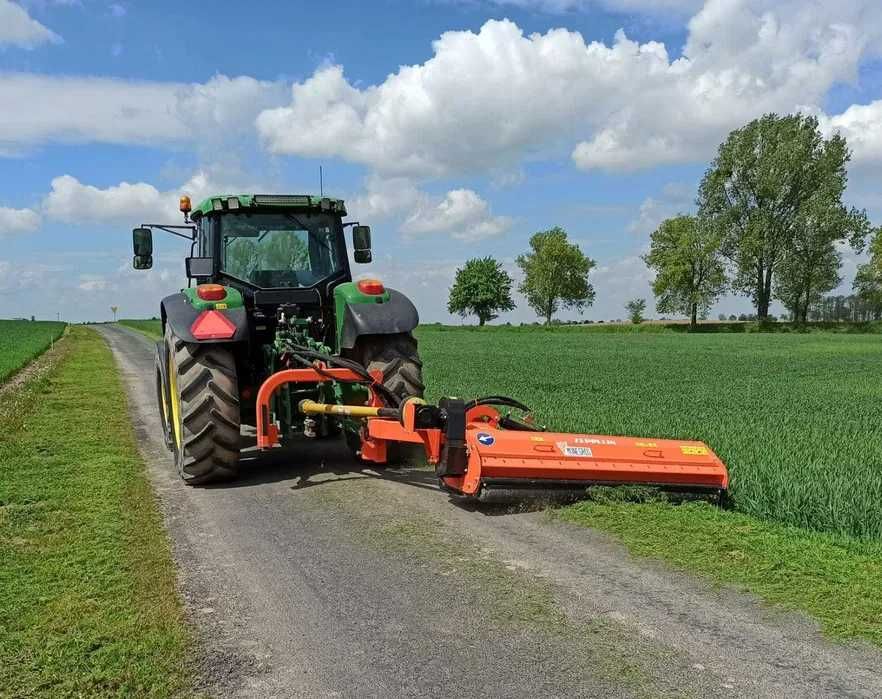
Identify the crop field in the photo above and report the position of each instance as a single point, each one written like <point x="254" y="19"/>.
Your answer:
<point x="152" y="328"/>
<point x="795" y="416"/>
<point x="22" y="340"/>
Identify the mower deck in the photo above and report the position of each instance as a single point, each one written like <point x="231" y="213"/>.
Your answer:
<point x="481" y="454"/>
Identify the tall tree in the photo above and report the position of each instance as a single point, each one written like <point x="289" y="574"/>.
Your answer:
<point x="868" y="280"/>
<point x="555" y="274"/>
<point x="685" y="253"/>
<point x="481" y="288"/>
<point x="757" y="191"/>
<point x="811" y="265"/>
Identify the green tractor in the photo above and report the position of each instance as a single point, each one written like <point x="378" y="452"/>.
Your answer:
<point x="271" y="290"/>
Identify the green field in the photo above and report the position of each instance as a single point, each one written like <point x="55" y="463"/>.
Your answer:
<point x="796" y="417"/>
<point x="151" y="328"/>
<point x="88" y="604"/>
<point x="22" y="340"/>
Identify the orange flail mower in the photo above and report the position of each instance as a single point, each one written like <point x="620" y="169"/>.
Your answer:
<point x="482" y="453"/>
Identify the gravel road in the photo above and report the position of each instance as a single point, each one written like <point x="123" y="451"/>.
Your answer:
<point x="313" y="577"/>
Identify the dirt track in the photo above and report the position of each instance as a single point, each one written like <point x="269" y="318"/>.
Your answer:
<point x="311" y="577"/>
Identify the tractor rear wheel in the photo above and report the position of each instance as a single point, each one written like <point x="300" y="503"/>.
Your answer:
<point x="203" y="397"/>
<point x="398" y="358"/>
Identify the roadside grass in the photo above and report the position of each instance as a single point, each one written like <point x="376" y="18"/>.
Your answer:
<point x="835" y="579"/>
<point x="88" y="603"/>
<point x="22" y="340"/>
<point x="150" y="328"/>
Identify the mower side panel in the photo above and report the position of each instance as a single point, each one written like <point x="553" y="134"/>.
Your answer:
<point x="366" y="316"/>
<point x="180" y="314"/>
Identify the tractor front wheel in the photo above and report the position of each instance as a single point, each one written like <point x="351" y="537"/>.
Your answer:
<point x="203" y="398"/>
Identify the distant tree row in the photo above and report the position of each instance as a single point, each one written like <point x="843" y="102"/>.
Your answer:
<point x="770" y="224"/>
<point x="555" y="276"/>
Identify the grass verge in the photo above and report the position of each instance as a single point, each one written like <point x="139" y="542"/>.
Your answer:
<point x="833" y="578"/>
<point x="88" y="604"/>
<point x="150" y="328"/>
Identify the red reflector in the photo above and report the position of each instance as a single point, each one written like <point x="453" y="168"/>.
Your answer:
<point x="374" y="287"/>
<point x="212" y="325"/>
<point x="211" y="292"/>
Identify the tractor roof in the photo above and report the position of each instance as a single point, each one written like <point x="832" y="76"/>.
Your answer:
<point x="221" y="202"/>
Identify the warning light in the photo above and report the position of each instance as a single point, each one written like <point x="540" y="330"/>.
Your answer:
<point x="211" y="292"/>
<point x="185" y="204"/>
<point x="372" y="287"/>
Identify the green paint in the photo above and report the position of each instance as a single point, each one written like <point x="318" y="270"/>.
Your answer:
<point x="233" y="300"/>
<point x="269" y="201"/>
<point x="348" y="294"/>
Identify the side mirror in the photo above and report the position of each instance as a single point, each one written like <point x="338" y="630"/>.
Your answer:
<point x="361" y="244"/>
<point x="199" y="267"/>
<point x="142" y="244"/>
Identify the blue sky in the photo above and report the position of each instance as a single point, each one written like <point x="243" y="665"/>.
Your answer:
<point x="455" y="128"/>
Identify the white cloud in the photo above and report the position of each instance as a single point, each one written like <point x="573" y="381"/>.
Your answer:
<point x="14" y="221"/>
<point x="861" y="125"/>
<point x="108" y="110"/>
<point x="675" y="198"/>
<point x="485" y="101"/>
<point x="71" y="201"/>
<point x="461" y="213"/>
<point x="18" y="28"/>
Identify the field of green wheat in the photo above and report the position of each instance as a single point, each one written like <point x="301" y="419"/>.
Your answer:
<point x="22" y="340"/>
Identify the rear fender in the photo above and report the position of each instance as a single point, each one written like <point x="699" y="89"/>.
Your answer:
<point x="392" y="316"/>
<point x="179" y="314"/>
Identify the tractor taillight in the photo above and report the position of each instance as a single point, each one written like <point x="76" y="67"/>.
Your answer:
<point x="211" y="292"/>
<point x="212" y="325"/>
<point x="373" y="287"/>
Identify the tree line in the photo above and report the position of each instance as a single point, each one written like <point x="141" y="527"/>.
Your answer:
<point x="770" y="224"/>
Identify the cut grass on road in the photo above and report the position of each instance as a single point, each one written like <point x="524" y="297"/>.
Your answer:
<point x="88" y="604"/>
<point x="22" y="340"/>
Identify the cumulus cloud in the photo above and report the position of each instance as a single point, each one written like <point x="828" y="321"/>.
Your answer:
<point x="108" y="110"/>
<point x="461" y="213"/>
<point x="675" y="198"/>
<point x="861" y="125"/>
<point x="14" y="221"/>
<point x="487" y="100"/>
<point x="18" y="28"/>
<point x="71" y="201"/>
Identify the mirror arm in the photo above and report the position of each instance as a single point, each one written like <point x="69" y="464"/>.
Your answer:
<point x="173" y="229"/>
<point x="351" y="223"/>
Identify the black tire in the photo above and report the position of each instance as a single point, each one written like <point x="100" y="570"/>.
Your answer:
<point x="206" y="447"/>
<point x="398" y="358"/>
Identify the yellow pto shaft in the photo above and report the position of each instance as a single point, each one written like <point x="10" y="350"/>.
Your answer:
<point x="310" y="407"/>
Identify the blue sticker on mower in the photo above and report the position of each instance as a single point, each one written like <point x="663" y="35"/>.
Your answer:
<point x="486" y="439"/>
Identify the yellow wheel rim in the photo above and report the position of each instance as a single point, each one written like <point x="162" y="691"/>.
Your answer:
<point x="175" y="398"/>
